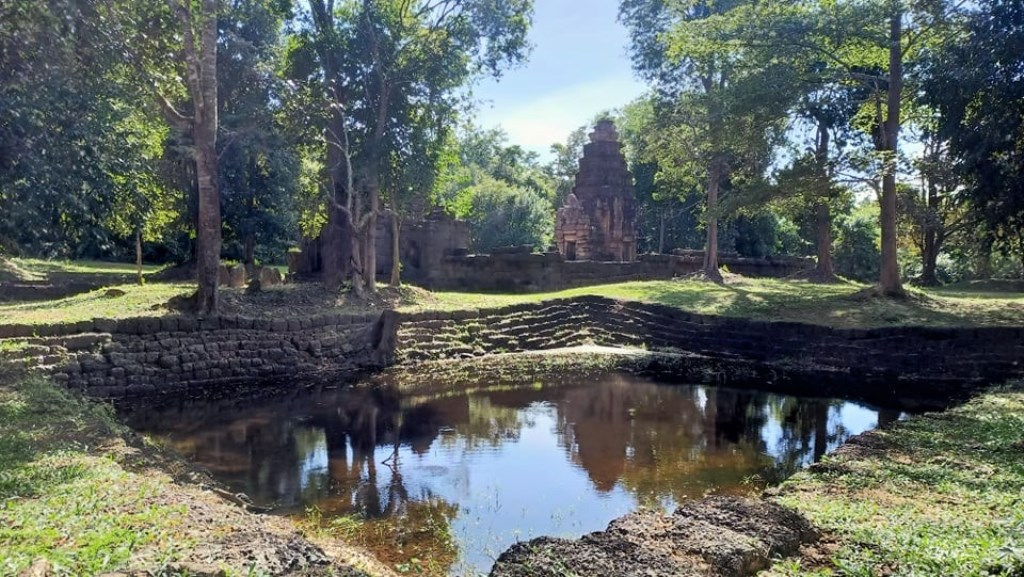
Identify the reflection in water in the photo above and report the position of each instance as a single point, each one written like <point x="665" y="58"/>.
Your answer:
<point x="458" y="479"/>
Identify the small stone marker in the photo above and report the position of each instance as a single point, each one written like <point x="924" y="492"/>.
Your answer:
<point x="236" y="276"/>
<point x="224" y="275"/>
<point x="270" y="277"/>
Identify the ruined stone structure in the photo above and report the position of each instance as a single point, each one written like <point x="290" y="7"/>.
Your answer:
<point x="598" y="221"/>
<point x="423" y="245"/>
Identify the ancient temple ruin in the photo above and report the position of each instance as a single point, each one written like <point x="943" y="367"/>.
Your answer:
<point x="598" y="221"/>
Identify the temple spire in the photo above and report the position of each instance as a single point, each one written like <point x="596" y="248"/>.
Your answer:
<point x="598" y="221"/>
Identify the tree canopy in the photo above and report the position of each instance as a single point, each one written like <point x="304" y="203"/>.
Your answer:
<point x="237" y="128"/>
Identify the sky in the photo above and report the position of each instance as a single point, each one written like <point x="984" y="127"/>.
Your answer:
<point x="578" y="68"/>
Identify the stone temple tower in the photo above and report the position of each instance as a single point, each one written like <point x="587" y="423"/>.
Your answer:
<point x="598" y="221"/>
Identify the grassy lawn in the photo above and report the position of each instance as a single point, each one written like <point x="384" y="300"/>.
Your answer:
<point x="137" y="301"/>
<point x="66" y="503"/>
<point x="940" y="494"/>
<point x="11" y="272"/>
<point x="831" y="305"/>
<point x="81" y="496"/>
<point x="769" y="299"/>
<point x="41" y="268"/>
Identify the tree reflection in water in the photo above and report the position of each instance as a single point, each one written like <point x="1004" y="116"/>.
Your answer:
<point x="456" y="479"/>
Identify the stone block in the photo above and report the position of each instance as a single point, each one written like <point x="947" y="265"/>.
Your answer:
<point x="209" y="324"/>
<point x="224" y="275"/>
<point x="149" y="325"/>
<point x="269" y="277"/>
<point x="169" y="324"/>
<point x="82" y="327"/>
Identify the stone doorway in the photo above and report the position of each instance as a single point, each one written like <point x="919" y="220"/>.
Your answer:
<point x="570" y="251"/>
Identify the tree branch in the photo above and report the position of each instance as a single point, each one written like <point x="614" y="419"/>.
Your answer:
<point x="172" y="115"/>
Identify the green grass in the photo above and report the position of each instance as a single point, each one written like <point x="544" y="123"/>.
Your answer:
<point x="769" y="299"/>
<point x="41" y="268"/>
<point x="137" y="301"/>
<point x="10" y="272"/>
<point x="940" y="494"/>
<point x="64" y="501"/>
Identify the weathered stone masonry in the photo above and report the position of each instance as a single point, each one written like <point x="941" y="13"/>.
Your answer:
<point x="137" y="357"/>
<point x="914" y="361"/>
<point x="145" y="356"/>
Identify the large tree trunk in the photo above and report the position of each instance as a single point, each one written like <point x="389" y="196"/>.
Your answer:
<point x="337" y="236"/>
<point x="208" y="236"/>
<point x="201" y="79"/>
<point x="825" y="271"/>
<point x="337" y="242"/>
<point x="661" y="234"/>
<point x="138" y="256"/>
<point x="889" y="283"/>
<point x="356" y="270"/>
<point x="396" y="249"/>
<point x="983" y="266"/>
<point x="933" y="238"/>
<point x="929" y="263"/>
<point x="370" y="234"/>
<point x="249" y="253"/>
<point x="711" y="244"/>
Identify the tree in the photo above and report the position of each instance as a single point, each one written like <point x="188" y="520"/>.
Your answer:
<point x="501" y="190"/>
<point x="198" y="26"/>
<point x="566" y="162"/>
<point x="938" y="210"/>
<point x="667" y="218"/>
<point x="974" y="82"/>
<point x="857" y="255"/>
<point x="68" y="113"/>
<point x="503" y="215"/>
<point x="867" y="47"/>
<point x="382" y="63"/>
<point x="259" y="164"/>
<point x="721" y="106"/>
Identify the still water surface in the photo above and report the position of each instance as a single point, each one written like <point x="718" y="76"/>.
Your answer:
<point x="446" y="483"/>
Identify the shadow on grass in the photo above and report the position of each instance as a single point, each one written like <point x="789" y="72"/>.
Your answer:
<point x="38" y="420"/>
<point x="839" y="305"/>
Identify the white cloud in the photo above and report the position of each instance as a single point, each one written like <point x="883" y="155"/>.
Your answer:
<point x="538" y="123"/>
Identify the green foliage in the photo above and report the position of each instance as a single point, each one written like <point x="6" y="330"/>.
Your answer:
<point x="503" y="215"/>
<point x="765" y="236"/>
<point x="501" y="190"/>
<point x="74" y="140"/>
<point x="259" y="163"/>
<point x="974" y="82"/>
<point x="388" y="74"/>
<point x="478" y="153"/>
<point x="718" y="108"/>
<point x="857" y="254"/>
